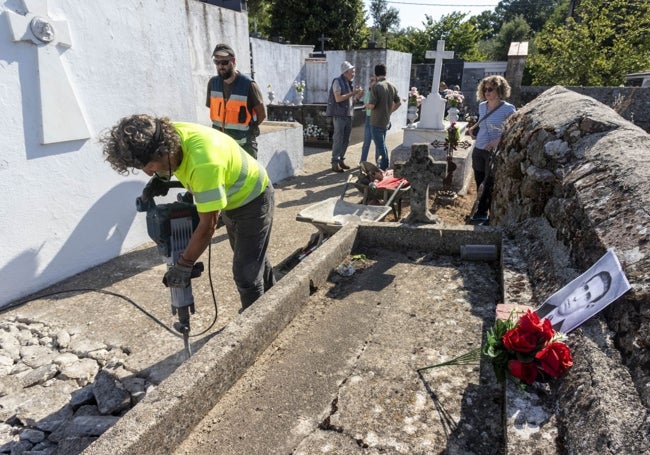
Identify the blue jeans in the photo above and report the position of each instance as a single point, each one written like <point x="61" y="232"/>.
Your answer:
<point x="367" y="140"/>
<point x="249" y="230"/>
<point x="340" y="138"/>
<point x="381" y="153"/>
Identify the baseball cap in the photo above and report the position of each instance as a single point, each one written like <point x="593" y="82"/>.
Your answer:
<point x="346" y="66"/>
<point x="223" y="50"/>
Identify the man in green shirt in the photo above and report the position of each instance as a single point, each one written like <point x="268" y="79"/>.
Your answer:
<point x="223" y="179"/>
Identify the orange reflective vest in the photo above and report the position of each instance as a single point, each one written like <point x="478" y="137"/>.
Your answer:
<point x="231" y="116"/>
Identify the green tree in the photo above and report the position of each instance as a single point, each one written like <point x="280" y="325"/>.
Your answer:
<point x="535" y="12"/>
<point x="516" y="30"/>
<point x="385" y="21"/>
<point x="597" y="46"/>
<point x="460" y="35"/>
<point x="303" y="22"/>
<point x="414" y="41"/>
<point x="258" y="16"/>
<point x="487" y="23"/>
<point x="384" y="18"/>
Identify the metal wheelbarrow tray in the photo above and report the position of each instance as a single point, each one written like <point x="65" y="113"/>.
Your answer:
<point x="331" y="214"/>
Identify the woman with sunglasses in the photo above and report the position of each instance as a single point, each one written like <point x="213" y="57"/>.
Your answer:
<point x="492" y="112"/>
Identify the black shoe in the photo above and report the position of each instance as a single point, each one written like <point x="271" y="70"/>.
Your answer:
<point x="479" y="218"/>
<point x="337" y="168"/>
<point x="342" y="165"/>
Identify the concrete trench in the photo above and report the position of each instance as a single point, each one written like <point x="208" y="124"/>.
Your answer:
<point x="367" y="396"/>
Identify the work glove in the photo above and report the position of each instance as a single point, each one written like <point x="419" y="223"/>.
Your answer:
<point x="155" y="187"/>
<point x="178" y="276"/>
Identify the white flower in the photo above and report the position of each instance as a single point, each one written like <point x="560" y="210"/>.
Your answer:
<point x="454" y="98"/>
<point x="299" y="86"/>
<point x="312" y="130"/>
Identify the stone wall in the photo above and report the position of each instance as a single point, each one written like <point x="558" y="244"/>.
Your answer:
<point x="631" y="103"/>
<point x="573" y="180"/>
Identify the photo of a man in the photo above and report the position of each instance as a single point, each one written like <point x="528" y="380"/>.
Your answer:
<point x="585" y="296"/>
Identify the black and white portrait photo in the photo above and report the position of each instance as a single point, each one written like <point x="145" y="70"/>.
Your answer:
<point x="586" y="295"/>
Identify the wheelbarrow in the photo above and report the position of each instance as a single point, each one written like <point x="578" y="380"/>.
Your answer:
<point x="332" y="214"/>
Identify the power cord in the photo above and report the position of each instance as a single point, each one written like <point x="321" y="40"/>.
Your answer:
<point x="132" y="302"/>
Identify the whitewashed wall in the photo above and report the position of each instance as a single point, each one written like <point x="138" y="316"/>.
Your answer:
<point x="63" y="208"/>
<point x="280" y="65"/>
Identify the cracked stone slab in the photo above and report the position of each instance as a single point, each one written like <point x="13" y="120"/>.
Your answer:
<point x="342" y="377"/>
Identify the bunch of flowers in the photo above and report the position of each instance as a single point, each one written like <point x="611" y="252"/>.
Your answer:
<point x="414" y="97"/>
<point x="527" y="349"/>
<point x="454" y="98"/>
<point x="523" y="351"/>
<point x="313" y="131"/>
<point x="299" y="86"/>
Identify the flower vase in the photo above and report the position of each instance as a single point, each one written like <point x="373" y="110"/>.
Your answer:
<point x="452" y="114"/>
<point x="411" y="115"/>
<point x="271" y="96"/>
<point x="300" y="98"/>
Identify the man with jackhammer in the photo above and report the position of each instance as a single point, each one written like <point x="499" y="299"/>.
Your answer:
<point x="223" y="179"/>
<point x="235" y="101"/>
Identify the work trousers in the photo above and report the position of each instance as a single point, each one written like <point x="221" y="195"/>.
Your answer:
<point x="249" y="230"/>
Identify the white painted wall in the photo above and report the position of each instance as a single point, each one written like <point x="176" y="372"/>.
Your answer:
<point x="63" y="208"/>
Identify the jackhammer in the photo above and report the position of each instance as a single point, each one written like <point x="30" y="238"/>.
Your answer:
<point x="170" y="226"/>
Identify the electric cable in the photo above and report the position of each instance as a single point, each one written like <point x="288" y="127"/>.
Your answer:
<point x="131" y="301"/>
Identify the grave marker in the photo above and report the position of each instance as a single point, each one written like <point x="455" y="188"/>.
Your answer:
<point x="420" y="170"/>
<point x="61" y="116"/>
<point x="432" y="111"/>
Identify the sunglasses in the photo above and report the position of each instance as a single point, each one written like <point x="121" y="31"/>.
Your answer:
<point x="220" y="62"/>
<point x="488" y="89"/>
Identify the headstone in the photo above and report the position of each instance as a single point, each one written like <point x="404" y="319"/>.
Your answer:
<point x="452" y="72"/>
<point x="432" y="111"/>
<point x="420" y="170"/>
<point x="61" y="116"/>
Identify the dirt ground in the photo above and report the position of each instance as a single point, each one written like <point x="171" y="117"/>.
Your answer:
<point x="456" y="211"/>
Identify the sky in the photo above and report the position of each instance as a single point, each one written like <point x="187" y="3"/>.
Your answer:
<point x="411" y="12"/>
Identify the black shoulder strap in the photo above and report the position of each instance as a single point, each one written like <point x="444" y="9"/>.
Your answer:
<point x="490" y="113"/>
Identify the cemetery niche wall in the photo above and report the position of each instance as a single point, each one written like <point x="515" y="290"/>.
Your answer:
<point x="317" y="127"/>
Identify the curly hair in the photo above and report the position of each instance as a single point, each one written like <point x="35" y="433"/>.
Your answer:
<point x="138" y="139"/>
<point x="497" y="82"/>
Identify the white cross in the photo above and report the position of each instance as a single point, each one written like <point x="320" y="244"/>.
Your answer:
<point x="61" y="116"/>
<point x="439" y="54"/>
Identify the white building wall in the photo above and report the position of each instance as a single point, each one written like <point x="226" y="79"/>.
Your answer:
<point x="63" y="208"/>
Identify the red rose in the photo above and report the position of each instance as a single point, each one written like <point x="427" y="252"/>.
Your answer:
<point x="526" y="371"/>
<point x="520" y="341"/>
<point x="530" y="322"/>
<point x="547" y="330"/>
<point x="555" y="359"/>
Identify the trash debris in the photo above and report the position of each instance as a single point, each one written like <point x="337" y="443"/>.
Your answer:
<point x="345" y="269"/>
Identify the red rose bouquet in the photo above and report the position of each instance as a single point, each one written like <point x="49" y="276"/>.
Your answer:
<point x="527" y="349"/>
<point x="523" y="351"/>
